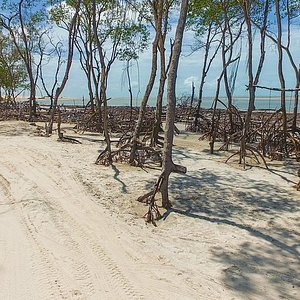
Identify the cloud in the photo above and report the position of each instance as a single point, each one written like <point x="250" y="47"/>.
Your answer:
<point x="190" y="80"/>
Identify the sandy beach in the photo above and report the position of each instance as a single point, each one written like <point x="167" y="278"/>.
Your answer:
<point x="70" y="229"/>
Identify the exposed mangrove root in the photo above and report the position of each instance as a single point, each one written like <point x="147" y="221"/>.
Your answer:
<point x="153" y="213"/>
<point x="144" y="155"/>
<point x="61" y="137"/>
<point x="104" y="158"/>
<point x="253" y="151"/>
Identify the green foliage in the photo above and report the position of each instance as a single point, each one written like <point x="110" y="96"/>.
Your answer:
<point x="119" y="30"/>
<point x="294" y="9"/>
<point x="31" y="14"/>
<point x="134" y="40"/>
<point x="203" y="13"/>
<point x="13" y="75"/>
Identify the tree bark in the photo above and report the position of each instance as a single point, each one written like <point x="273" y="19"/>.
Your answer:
<point x="161" y="20"/>
<point x="168" y="166"/>
<point x="142" y="111"/>
<point x="246" y="10"/>
<point x="206" y="66"/>
<point x="280" y="72"/>
<point x="71" y="42"/>
<point x="129" y="88"/>
<point x="296" y="101"/>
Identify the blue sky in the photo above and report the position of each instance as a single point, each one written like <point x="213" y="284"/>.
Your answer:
<point x="189" y="70"/>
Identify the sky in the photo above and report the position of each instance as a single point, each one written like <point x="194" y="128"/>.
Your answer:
<point x="189" y="71"/>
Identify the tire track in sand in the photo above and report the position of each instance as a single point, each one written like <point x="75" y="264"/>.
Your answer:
<point x="49" y="274"/>
<point x="116" y="279"/>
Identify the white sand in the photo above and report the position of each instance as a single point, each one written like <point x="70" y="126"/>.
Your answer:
<point x="72" y="230"/>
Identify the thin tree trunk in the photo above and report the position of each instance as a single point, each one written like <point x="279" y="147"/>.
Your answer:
<point x="142" y="111"/>
<point x="159" y="99"/>
<point x="226" y="48"/>
<point x="296" y="101"/>
<point x="262" y="43"/>
<point x="162" y="19"/>
<point x="168" y="166"/>
<point x="90" y="89"/>
<point x="71" y="41"/>
<point x="105" y="111"/>
<point x="32" y="99"/>
<point x="205" y="69"/>
<point x="246" y="9"/>
<point x="129" y="89"/>
<point x="213" y="118"/>
<point x="280" y="73"/>
<point x="98" y="100"/>
<point x="193" y="95"/>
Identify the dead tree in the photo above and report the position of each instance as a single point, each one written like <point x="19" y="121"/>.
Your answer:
<point x="160" y="10"/>
<point x="168" y="166"/>
<point x="226" y="63"/>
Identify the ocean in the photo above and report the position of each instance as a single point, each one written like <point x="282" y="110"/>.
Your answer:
<point x="240" y="102"/>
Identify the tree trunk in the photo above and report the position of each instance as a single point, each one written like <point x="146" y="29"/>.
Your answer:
<point x="206" y="66"/>
<point x="262" y="43"/>
<point x="168" y="166"/>
<point x="213" y="118"/>
<point x="246" y="9"/>
<point x="98" y="100"/>
<point x="90" y="89"/>
<point x="105" y="113"/>
<point x="32" y="100"/>
<point x="161" y="20"/>
<point x="226" y="48"/>
<point x="142" y="111"/>
<point x="296" y="101"/>
<point x="159" y="99"/>
<point x="71" y="42"/>
<point x="129" y="89"/>
<point x="280" y="73"/>
<point x="193" y="94"/>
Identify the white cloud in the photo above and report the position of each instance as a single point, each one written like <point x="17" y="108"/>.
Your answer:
<point x="190" y="80"/>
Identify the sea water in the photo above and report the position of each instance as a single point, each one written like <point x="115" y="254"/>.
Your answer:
<point x="261" y="102"/>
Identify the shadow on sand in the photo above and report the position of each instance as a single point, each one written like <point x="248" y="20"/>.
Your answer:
<point x="236" y="202"/>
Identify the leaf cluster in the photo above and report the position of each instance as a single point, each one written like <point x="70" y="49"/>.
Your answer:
<point x="203" y="13"/>
<point x="134" y="40"/>
<point x="13" y="73"/>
